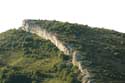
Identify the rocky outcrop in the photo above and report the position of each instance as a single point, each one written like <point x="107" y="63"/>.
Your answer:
<point x="30" y="26"/>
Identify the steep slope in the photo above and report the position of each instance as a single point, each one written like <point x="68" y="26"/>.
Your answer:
<point x="98" y="53"/>
<point x="26" y="58"/>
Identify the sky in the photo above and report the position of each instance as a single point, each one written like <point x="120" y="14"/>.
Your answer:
<point x="108" y="14"/>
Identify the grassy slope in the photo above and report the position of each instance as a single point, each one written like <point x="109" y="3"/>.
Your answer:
<point x="25" y="58"/>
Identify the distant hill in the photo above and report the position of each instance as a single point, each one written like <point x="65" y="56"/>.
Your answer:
<point x="43" y="51"/>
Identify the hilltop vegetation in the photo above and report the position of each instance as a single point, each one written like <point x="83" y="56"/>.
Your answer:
<point x="26" y="58"/>
<point x="102" y="50"/>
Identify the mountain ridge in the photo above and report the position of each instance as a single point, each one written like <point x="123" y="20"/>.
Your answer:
<point x="98" y="54"/>
<point x="42" y="32"/>
<point x="29" y="26"/>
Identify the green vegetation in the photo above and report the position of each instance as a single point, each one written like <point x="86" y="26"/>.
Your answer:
<point x="26" y="58"/>
<point x="103" y="50"/>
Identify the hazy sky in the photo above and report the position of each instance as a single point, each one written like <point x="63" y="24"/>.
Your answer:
<point x="97" y="13"/>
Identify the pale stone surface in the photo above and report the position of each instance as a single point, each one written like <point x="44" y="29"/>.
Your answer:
<point x="30" y="26"/>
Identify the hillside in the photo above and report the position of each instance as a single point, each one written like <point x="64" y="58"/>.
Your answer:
<point x="26" y="58"/>
<point x="43" y="51"/>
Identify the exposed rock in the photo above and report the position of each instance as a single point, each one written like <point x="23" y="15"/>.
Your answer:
<point x="30" y="26"/>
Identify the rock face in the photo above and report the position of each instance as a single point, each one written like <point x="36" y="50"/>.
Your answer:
<point x="100" y="58"/>
<point x="30" y="26"/>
